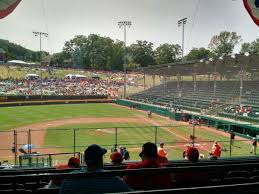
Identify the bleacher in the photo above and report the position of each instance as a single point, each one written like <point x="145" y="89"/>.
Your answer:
<point x="202" y="98"/>
<point x="223" y="175"/>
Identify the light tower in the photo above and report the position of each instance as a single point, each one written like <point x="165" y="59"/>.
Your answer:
<point x="182" y="23"/>
<point x="125" y="24"/>
<point x="40" y="34"/>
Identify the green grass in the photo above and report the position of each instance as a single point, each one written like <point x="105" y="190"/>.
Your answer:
<point x="133" y="135"/>
<point x="12" y="117"/>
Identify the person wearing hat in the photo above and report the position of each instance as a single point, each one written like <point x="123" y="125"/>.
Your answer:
<point x="116" y="158"/>
<point x="93" y="157"/>
<point x="191" y="178"/>
<point x="73" y="162"/>
<point x="161" y="151"/>
<point x="192" y="154"/>
<point x="148" y="182"/>
<point x="254" y="146"/>
<point x="216" y="150"/>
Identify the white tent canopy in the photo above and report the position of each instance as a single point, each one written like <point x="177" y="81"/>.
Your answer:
<point x="17" y="62"/>
<point x="74" y="76"/>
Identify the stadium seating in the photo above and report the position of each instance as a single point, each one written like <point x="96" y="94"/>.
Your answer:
<point x="220" y="172"/>
<point x="226" y="94"/>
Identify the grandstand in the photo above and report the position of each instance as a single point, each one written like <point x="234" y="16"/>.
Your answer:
<point x="229" y="94"/>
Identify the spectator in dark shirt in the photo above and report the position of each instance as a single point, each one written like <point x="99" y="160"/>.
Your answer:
<point x="93" y="157"/>
<point x="148" y="182"/>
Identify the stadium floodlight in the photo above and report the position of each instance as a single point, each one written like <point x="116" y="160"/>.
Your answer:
<point x="125" y="24"/>
<point x="40" y="34"/>
<point x="182" y="23"/>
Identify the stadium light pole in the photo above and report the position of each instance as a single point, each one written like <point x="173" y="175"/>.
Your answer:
<point x="182" y="23"/>
<point x="40" y="34"/>
<point x="125" y="24"/>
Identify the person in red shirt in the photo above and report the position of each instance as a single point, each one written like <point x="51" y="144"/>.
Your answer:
<point x="73" y="162"/>
<point x="216" y="150"/>
<point x="191" y="178"/>
<point x="192" y="154"/>
<point x="161" y="151"/>
<point x="116" y="158"/>
<point x="147" y="181"/>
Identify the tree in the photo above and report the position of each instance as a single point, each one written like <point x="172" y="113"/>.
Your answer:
<point x="198" y="54"/>
<point x="116" y="60"/>
<point x="167" y="53"/>
<point x="142" y="53"/>
<point x="224" y="43"/>
<point x="14" y="51"/>
<point x="252" y="47"/>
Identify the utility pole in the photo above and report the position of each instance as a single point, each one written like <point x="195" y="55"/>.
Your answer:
<point x="125" y="24"/>
<point x="182" y="23"/>
<point x="40" y="34"/>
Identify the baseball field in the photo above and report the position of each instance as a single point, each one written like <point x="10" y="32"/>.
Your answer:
<point x="53" y="128"/>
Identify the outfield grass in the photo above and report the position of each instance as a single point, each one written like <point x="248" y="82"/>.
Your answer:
<point x="12" y="117"/>
<point x="130" y="135"/>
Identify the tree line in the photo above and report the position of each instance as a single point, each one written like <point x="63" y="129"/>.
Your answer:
<point x="16" y="52"/>
<point x="103" y="53"/>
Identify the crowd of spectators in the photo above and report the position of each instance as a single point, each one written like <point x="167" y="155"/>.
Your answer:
<point x="150" y="155"/>
<point x="239" y="110"/>
<point x="103" y="83"/>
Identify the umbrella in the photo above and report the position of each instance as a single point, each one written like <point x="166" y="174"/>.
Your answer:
<point x="28" y="146"/>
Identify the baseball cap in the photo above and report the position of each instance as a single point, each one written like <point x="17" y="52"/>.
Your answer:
<point x="116" y="157"/>
<point x="74" y="161"/>
<point x="193" y="154"/>
<point x="149" y="149"/>
<point x="94" y="153"/>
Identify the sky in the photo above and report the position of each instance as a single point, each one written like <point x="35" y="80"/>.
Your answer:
<point x="152" y="20"/>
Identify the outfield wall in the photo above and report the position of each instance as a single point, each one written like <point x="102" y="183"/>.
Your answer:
<point x="6" y="101"/>
<point x="49" y="97"/>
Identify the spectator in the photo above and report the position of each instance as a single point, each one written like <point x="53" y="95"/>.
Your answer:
<point x="254" y="146"/>
<point x="73" y="162"/>
<point x="160" y="151"/>
<point x="192" y="154"/>
<point x="93" y="157"/>
<point x="215" y="151"/>
<point x="116" y="158"/>
<point x="187" y="178"/>
<point x="147" y="182"/>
